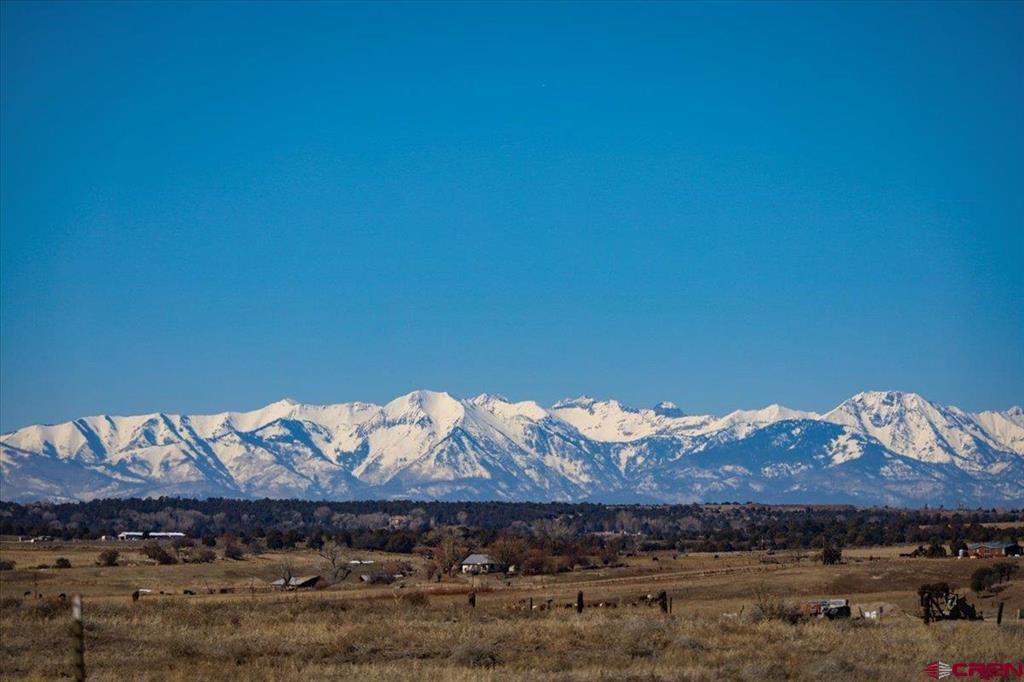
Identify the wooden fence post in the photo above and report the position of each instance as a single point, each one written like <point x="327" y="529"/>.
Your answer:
<point x="663" y="601"/>
<point x="78" y="635"/>
<point x="531" y="604"/>
<point x="472" y="600"/>
<point x="999" y="613"/>
<point x="579" y="602"/>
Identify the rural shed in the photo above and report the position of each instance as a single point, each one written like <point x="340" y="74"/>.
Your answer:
<point x="993" y="549"/>
<point x="481" y="563"/>
<point x="298" y="583"/>
<point x="149" y="535"/>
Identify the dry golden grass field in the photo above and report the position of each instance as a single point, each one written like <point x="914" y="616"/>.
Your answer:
<point x="416" y="629"/>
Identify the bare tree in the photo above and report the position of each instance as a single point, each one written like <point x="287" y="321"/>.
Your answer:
<point x="509" y="549"/>
<point x="285" y="571"/>
<point x="450" y="552"/>
<point x="335" y="564"/>
<point x="556" y="531"/>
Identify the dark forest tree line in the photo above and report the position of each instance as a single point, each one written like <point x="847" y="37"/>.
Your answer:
<point x="400" y="526"/>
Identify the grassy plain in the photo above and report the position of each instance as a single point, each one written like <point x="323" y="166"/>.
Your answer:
<point x="416" y="629"/>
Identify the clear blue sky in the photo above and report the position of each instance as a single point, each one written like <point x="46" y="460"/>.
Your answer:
<point x="209" y="207"/>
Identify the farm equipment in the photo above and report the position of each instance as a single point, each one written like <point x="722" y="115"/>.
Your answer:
<point x="828" y="608"/>
<point x="939" y="602"/>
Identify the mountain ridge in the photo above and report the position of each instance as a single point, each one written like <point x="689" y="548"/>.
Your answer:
<point x="885" y="447"/>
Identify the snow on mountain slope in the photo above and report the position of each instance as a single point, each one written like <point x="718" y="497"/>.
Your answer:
<point x="1015" y="414"/>
<point x="496" y="449"/>
<point x="606" y="420"/>
<point x="809" y="461"/>
<point x="667" y="408"/>
<point x="405" y="430"/>
<point x="767" y="415"/>
<point x="746" y="421"/>
<point x="908" y="424"/>
<point x="885" y="447"/>
<point x="610" y="422"/>
<point x="45" y="476"/>
<point x="1006" y="428"/>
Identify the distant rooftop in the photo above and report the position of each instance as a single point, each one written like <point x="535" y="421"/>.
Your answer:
<point x="301" y="581"/>
<point x="990" y="545"/>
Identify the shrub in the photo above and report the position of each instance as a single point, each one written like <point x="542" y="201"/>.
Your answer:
<point x="400" y="544"/>
<point x="608" y="555"/>
<point x="6" y="565"/>
<point x="200" y="555"/>
<point x="687" y="642"/>
<point x="275" y="539"/>
<point x="983" y="578"/>
<point x="770" y="607"/>
<point x="641" y="637"/>
<point x="431" y="570"/>
<point x="987" y="576"/>
<point x="830" y="554"/>
<point x="62" y="563"/>
<point x="395" y="567"/>
<point x="233" y="551"/>
<point x="158" y="554"/>
<point x="414" y="599"/>
<point x="48" y="609"/>
<point x="1004" y="569"/>
<point x="536" y="562"/>
<point x="475" y="654"/>
<point x="108" y="557"/>
<point x="182" y="546"/>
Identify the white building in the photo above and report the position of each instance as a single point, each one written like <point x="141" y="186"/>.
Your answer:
<point x="481" y="563"/>
<point x="154" y="535"/>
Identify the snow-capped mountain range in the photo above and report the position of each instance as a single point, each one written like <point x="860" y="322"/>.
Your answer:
<point x="875" y="448"/>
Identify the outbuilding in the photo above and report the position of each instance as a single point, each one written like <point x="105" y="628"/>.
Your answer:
<point x="481" y="563"/>
<point x="298" y="583"/>
<point x="986" y="550"/>
<point x="151" y="535"/>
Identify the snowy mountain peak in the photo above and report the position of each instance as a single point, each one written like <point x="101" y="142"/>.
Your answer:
<point x="583" y="401"/>
<point x="1007" y="428"/>
<point x="765" y="415"/>
<point x="486" y="398"/>
<point x="880" y="408"/>
<point x="667" y="408"/>
<point x="888" y="398"/>
<point x="913" y="426"/>
<point x="882" y="447"/>
<point x="438" y="408"/>
<point x="607" y="420"/>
